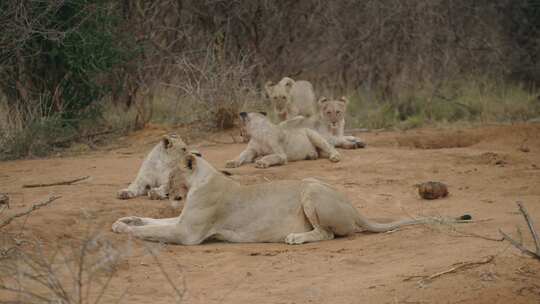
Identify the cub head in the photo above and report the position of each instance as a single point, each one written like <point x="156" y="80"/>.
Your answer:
<point x="174" y="147"/>
<point x="279" y="94"/>
<point x="333" y="111"/>
<point x="252" y="122"/>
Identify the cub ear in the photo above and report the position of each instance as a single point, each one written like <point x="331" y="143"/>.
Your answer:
<point x="344" y="99"/>
<point x="166" y="140"/>
<point x="263" y="113"/>
<point x="243" y="115"/>
<point x="322" y="100"/>
<point x="190" y="161"/>
<point x="268" y="86"/>
<point x="288" y="83"/>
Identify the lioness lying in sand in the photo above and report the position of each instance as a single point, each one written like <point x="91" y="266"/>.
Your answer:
<point x="220" y="208"/>
<point x="291" y="98"/>
<point x="330" y="123"/>
<point x="276" y="146"/>
<point x="153" y="176"/>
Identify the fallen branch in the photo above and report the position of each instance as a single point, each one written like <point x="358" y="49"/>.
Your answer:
<point x="530" y="224"/>
<point x="68" y="182"/>
<point x="458" y="266"/>
<point x="34" y="207"/>
<point x="519" y="245"/>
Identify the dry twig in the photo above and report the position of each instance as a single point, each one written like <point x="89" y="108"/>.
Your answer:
<point x="456" y="267"/>
<point x="519" y="245"/>
<point x="34" y="207"/>
<point x="68" y="182"/>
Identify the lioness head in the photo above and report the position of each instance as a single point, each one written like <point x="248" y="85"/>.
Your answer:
<point x="252" y="122"/>
<point x="333" y="111"/>
<point x="196" y="169"/>
<point x="279" y="94"/>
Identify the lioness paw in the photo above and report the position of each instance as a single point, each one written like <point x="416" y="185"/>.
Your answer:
<point x="261" y="164"/>
<point x="131" y="220"/>
<point x="232" y="164"/>
<point x="335" y="157"/>
<point x="125" y="194"/>
<point x="120" y="227"/>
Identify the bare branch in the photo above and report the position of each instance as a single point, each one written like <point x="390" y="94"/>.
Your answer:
<point x="34" y="207"/>
<point x="68" y="182"/>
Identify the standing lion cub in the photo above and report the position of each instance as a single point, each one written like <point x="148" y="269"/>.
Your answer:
<point x="154" y="174"/>
<point x="276" y="146"/>
<point x="330" y="123"/>
<point x="291" y="98"/>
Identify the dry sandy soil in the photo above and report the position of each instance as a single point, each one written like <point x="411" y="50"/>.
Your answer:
<point x="484" y="167"/>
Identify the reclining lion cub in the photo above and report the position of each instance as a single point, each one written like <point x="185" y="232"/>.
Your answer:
<point x="153" y="176"/>
<point x="330" y="123"/>
<point x="276" y="146"/>
<point x="218" y="207"/>
<point x="291" y="98"/>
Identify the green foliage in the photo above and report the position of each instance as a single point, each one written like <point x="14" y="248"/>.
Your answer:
<point x="66" y="62"/>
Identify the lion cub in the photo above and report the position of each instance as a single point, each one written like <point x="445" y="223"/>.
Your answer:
<point x="291" y="98"/>
<point x="330" y="123"/>
<point x="276" y="145"/>
<point x="154" y="176"/>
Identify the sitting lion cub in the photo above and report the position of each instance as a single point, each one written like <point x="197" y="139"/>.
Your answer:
<point x="153" y="177"/>
<point x="220" y="208"/>
<point x="330" y="123"/>
<point x="277" y="146"/>
<point x="291" y="98"/>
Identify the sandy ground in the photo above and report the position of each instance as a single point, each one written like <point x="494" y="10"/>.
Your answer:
<point x="484" y="167"/>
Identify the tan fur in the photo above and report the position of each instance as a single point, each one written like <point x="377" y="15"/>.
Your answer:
<point x="291" y="98"/>
<point x="218" y="207"/>
<point x="274" y="145"/>
<point x="153" y="176"/>
<point x="330" y="123"/>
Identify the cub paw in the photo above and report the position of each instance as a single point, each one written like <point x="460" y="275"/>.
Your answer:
<point x="232" y="164"/>
<point x="312" y="156"/>
<point x="359" y="144"/>
<point x="335" y="157"/>
<point x="261" y="164"/>
<point x="154" y="194"/>
<point x="120" y="227"/>
<point x="294" y="239"/>
<point x="125" y="194"/>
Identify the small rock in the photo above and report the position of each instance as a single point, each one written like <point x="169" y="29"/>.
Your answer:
<point x="432" y="190"/>
<point x="4" y="199"/>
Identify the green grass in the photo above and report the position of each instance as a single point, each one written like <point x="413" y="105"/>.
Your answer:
<point x="476" y="101"/>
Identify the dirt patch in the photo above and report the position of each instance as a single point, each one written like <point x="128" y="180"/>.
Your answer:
<point x="373" y="267"/>
<point x="439" y="140"/>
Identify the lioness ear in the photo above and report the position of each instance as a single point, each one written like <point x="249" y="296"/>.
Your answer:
<point x="322" y="100"/>
<point x="288" y="84"/>
<point x="190" y="161"/>
<point x="263" y="113"/>
<point x="166" y="142"/>
<point x="344" y="99"/>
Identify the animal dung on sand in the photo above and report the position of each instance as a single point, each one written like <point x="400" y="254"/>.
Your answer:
<point x="432" y="190"/>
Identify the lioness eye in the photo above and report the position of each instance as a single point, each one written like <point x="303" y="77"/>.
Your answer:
<point x="338" y="112"/>
<point x="328" y="112"/>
